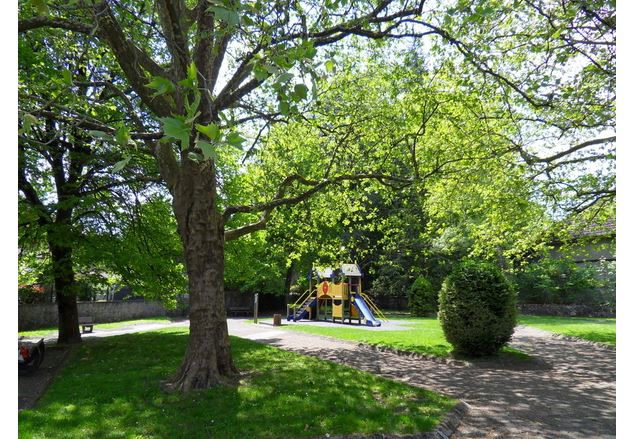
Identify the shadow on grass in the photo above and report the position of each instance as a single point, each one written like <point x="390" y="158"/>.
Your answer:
<point x="111" y="388"/>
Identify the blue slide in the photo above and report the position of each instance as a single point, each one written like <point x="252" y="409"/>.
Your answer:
<point x="360" y="303"/>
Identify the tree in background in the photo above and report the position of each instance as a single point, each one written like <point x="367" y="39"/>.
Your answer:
<point x="67" y="180"/>
<point x="207" y="70"/>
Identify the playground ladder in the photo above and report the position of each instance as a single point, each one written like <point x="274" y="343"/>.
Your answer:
<point x="306" y="299"/>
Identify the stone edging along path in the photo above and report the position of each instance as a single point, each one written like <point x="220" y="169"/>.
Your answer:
<point x="597" y="344"/>
<point x="444" y="430"/>
<point x="567" y="391"/>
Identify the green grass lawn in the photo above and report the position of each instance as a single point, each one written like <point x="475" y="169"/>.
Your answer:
<point x="111" y="389"/>
<point x="50" y="332"/>
<point x="593" y="329"/>
<point x="424" y="336"/>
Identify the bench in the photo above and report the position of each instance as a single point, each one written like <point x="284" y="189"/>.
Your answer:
<point x="86" y="323"/>
<point x="238" y="310"/>
<point x="30" y="354"/>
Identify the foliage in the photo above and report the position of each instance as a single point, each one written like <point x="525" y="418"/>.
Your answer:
<point x="477" y="308"/>
<point x="131" y="400"/>
<point x="514" y="97"/>
<point x="422" y="299"/>
<point x="32" y="294"/>
<point x="141" y="245"/>
<point x="562" y="281"/>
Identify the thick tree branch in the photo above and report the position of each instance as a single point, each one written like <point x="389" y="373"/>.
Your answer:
<point x="137" y="179"/>
<point x="132" y="60"/>
<point x="25" y="186"/>
<point x="54" y="22"/>
<point x="171" y="13"/>
<point x="280" y="200"/>
<point x="573" y="149"/>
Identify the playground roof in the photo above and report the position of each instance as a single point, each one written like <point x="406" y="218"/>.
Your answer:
<point x="351" y="270"/>
<point x="347" y="270"/>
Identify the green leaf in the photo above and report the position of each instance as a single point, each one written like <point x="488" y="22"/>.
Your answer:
<point x="191" y="81"/>
<point x="41" y="8"/>
<point x="100" y="135"/>
<point x="285" y="77"/>
<point x="192" y="72"/>
<point x="161" y="85"/>
<point x="260" y="73"/>
<point x="235" y="139"/>
<point x="67" y="76"/>
<point x="177" y="129"/>
<point x="122" y="137"/>
<point x="212" y="131"/>
<point x="121" y="164"/>
<point x="207" y="149"/>
<point x="329" y="65"/>
<point x="281" y="61"/>
<point x="194" y="156"/>
<point x="190" y="119"/>
<point x="28" y="121"/>
<point x="301" y="90"/>
<point x="309" y="49"/>
<point x="283" y="107"/>
<point x="231" y="17"/>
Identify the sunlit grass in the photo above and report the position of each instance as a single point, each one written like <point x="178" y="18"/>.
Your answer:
<point x="50" y="332"/>
<point x="594" y="329"/>
<point x="111" y="389"/>
<point x="423" y="336"/>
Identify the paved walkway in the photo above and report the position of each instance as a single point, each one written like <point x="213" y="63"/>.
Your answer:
<point x="570" y="394"/>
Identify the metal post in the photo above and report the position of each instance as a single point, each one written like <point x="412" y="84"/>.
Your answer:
<point x="256" y="308"/>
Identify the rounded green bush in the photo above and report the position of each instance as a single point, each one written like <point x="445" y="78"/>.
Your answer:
<point x="477" y="308"/>
<point x="422" y="299"/>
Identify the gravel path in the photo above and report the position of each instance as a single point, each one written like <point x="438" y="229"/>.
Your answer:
<point x="568" y="393"/>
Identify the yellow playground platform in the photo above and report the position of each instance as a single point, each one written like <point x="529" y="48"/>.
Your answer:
<point x="336" y="295"/>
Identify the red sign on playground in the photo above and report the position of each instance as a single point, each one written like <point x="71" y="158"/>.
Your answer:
<point x="325" y="287"/>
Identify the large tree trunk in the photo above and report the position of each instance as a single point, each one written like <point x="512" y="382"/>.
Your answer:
<point x="65" y="293"/>
<point x="208" y="360"/>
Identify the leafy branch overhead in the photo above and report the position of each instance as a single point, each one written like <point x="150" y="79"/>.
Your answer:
<point x="505" y="101"/>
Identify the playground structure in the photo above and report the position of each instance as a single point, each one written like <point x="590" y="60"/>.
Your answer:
<point x="336" y="296"/>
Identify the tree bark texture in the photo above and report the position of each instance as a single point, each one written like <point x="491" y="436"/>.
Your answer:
<point x="208" y="361"/>
<point x="65" y="294"/>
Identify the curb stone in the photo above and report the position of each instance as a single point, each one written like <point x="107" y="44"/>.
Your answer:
<point x="402" y="353"/>
<point x="444" y="430"/>
<point x="597" y="344"/>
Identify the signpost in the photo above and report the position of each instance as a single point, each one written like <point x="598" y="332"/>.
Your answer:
<point x="256" y="308"/>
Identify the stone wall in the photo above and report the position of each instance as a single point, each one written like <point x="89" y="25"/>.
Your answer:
<point x="43" y="315"/>
<point x="391" y="302"/>
<point x="567" y="310"/>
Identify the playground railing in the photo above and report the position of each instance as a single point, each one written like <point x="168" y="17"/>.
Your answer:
<point x="380" y="315"/>
<point x="298" y="303"/>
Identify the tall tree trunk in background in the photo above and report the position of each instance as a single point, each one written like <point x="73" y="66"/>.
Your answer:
<point x="65" y="291"/>
<point x="208" y="359"/>
<point x="291" y="277"/>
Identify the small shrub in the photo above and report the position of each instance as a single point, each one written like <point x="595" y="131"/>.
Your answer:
<point x="32" y="294"/>
<point x="477" y="308"/>
<point x="422" y="300"/>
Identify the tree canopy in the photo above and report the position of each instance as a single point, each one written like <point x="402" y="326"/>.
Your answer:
<point x="252" y="108"/>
